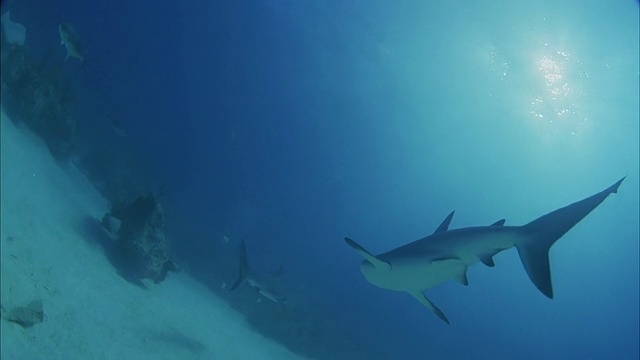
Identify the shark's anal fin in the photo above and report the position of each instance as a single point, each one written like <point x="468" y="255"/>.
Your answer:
<point x="429" y="304"/>
<point x="462" y="277"/>
<point x="460" y="272"/>
<point x="368" y="256"/>
<point x="444" y="226"/>
<point x="487" y="260"/>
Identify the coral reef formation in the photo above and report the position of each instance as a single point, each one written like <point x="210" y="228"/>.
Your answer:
<point x="139" y="226"/>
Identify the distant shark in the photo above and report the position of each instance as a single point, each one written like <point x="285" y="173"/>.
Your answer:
<point x="264" y="285"/>
<point x="71" y="41"/>
<point x="446" y="254"/>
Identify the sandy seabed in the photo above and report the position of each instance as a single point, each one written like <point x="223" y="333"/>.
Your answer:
<point x="48" y="221"/>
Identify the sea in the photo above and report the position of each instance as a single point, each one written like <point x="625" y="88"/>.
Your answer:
<point x="285" y="126"/>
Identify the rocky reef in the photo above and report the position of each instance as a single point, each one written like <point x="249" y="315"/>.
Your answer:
<point x="139" y="229"/>
<point x="37" y="94"/>
<point x="25" y="316"/>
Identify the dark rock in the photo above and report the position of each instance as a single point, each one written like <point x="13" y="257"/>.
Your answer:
<point x="26" y="316"/>
<point x="141" y="237"/>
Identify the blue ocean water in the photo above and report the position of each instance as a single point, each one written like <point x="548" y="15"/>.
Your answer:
<point x="292" y="124"/>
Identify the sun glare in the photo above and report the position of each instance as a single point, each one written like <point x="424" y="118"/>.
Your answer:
<point x="554" y="80"/>
<point x="555" y="107"/>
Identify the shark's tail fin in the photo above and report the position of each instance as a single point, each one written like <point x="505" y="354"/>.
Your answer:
<point x="543" y="232"/>
<point x="243" y="272"/>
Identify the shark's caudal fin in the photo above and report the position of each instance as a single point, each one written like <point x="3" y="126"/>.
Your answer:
<point x="547" y="229"/>
<point x="243" y="272"/>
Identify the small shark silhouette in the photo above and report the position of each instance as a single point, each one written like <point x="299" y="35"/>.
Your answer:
<point x="71" y="41"/>
<point x="446" y="254"/>
<point x="260" y="283"/>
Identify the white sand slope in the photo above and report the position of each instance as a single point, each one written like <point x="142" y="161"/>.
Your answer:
<point x="90" y="311"/>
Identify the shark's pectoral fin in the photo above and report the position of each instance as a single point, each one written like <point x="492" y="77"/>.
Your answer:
<point x="367" y="255"/>
<point x="430" y="305"/>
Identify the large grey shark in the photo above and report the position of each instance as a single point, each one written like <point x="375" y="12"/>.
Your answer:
<point x="446" y="254"/>
<point x="264" y="285"/>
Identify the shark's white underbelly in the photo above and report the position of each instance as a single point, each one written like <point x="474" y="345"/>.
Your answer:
<point x="414" y="275"/>
<point x="441" y="259"/>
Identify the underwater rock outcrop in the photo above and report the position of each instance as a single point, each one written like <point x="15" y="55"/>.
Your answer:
<point x="38" y="95"/>
<point x="139" y="228"/>
<point x="13" y="32"/>
<point x="26" y="316"/>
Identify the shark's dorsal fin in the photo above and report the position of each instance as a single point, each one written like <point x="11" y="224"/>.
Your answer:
<point x="243" y="271"/>
<point x="499" y="222"/>
<point x="383" y="265"/>
<point x="429" y="304"/>
<point x="444" y="226"/>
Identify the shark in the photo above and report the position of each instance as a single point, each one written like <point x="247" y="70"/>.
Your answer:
<point x="264" y="285"/>
<point x="71" y="41"/>
<point x="447" y="254"/>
